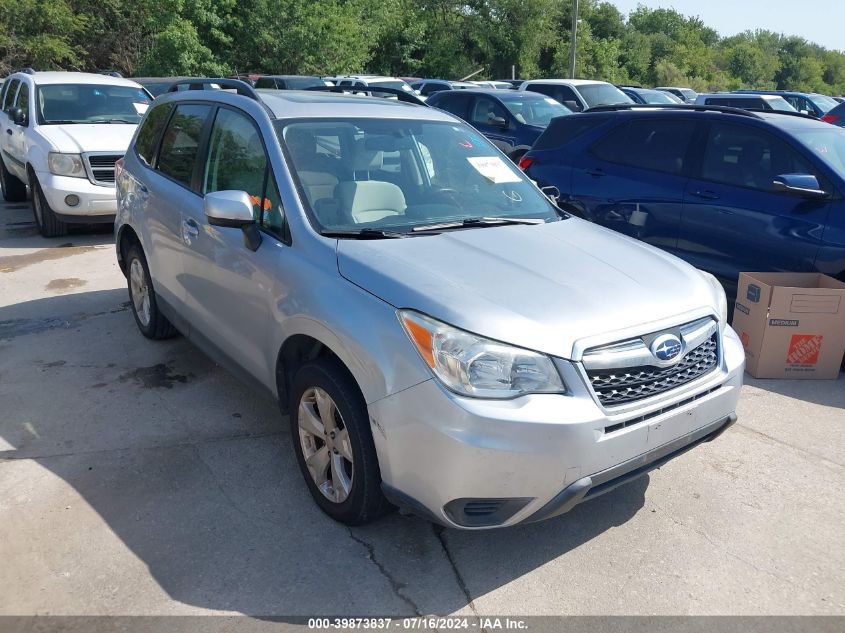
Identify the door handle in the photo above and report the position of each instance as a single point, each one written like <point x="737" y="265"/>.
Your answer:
<point x="707" y="194"/>
<point x="190" y="230"/>
<point x="596" y="172"/>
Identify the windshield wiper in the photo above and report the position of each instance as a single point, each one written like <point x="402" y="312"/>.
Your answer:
<point x="471" y="222"/>
<point x="109" y="121"/>
<point x="363" y="234"/>
<point x="60" y="122"/>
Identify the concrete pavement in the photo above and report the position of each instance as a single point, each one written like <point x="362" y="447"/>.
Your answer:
<point x="137" y="477"/>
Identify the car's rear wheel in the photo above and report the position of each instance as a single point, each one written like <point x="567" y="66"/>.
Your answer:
<point x="334" y="447"/>
<point x="48" y="224"/>
<point x="14" y="190"/>
<point x="152" y="323"/>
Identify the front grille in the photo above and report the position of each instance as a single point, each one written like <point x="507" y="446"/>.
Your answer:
<point x="101" y="168"/>
<point x="629" y="384"/>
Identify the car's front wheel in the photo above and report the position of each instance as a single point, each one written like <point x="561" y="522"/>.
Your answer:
<point x="152" y="323"/>
<point x="48" y="224"/>
<point x="334" y="446"/>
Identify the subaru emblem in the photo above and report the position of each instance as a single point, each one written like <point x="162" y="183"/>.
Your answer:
<point x="666" y="347"/>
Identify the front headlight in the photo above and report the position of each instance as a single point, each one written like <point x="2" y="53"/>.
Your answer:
<point x="475" y="366"/>
<point x="721" y="299"/>
<point x="65" y="164"/>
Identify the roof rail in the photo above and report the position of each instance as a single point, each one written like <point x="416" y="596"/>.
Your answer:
<point x="400" y="94"/>
<point x="112" y="73"/>
<point x="672" y="106"/>
<point x="241" y="87"/>
<point x="27" y="70"/>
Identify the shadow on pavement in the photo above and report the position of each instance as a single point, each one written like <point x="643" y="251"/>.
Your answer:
<point x="830" y="393"/>
<point x="196" y="475"/>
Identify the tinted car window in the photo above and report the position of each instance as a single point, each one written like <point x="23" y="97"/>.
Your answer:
<point x="8" y="99"/>
<point x="432" y="87"/>
<point x="747" y="157"/>
<point x="181" y="142"/>
<point x="533" y="109"/>
<point x="453" y="102"/>
<point x="654" y="144"/>
<point x="265" y="82"/>
<point x="563" y="130"/>
<point x="150" y="132"/>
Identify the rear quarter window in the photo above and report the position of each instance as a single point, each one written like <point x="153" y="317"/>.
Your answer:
<point x="564" y="130"/>
<point x="653" y="144"/>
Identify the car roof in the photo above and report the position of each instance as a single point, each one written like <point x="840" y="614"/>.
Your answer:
<point x="571" y="82"/>
<point x="296" y="104"/>
<point x="62" y="77"/>
<point x="738" y="95"/>
<point x="289" y="77"/>
<point x="672" y="88"/>
<point x="783" y="120"/>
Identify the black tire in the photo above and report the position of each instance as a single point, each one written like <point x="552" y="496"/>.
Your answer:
<point x="365" y="501"/>
<point x="157" y="326"/>
<point x="48" y="224"/>
<point x="14" y="190"/>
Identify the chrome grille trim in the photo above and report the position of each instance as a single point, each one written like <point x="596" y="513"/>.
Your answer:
<point x="100" y="167"/>
<point x="626" y="372"/>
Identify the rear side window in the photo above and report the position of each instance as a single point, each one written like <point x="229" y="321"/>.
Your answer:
<point x="655" y="144"/>
<point x="563" y="130"/>
<point x="150" y="132"/>
<point x="181" y="142"/>
<point x="562" y="94"/>
<point x="454" y="103"/>
<point x="265" y="82"/>
<point x="10" y="95"/>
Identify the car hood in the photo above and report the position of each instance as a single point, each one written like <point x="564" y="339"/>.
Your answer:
<point x="93" y="137"/>
<point x="541" y="287"/>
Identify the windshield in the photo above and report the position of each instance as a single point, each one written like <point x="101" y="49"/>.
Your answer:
<point x="824" y="103"/>
<point x="689" y="93"/>
<point x="157" y="88"/>
<point x="535" y="110"/>
<point x="394" y="174"/>
<point x="656" y="96"/>
<point x="90" y="103"/>
<point x="602" y="94"/>
<point x="302" y="83"/>
<point x="396" y="85"/>
<point x="827" y="145"/>
<point x="779" y="104"/>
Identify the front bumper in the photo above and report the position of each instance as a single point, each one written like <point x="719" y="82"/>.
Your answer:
<point x="96" y="202"/>
<point x="477" y="464"/>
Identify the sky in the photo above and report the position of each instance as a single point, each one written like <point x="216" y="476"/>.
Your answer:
<point x="822" y="22"/>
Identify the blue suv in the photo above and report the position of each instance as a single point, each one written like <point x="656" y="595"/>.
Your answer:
<point x="511" y="119"/>
<point x="725" y="189"/>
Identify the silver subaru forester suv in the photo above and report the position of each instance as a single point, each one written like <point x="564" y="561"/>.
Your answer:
<point x="443" y="336"/>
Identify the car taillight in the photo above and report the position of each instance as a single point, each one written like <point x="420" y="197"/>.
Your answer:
<point x="525" y="162"/>
<point x="830" y="118"/>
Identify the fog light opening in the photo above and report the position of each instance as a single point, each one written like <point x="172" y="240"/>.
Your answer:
<point x="72" y="200"/>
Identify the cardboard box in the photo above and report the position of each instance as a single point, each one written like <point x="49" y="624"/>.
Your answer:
<point x="792" y="325"/>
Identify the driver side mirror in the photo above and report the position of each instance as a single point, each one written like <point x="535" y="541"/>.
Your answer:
<point x="499" y="121"/>
<point x="18" y="116"/>
<point x="572" y="105"/>
<point x="803" y="185"/>
<point x="233" y="209"/>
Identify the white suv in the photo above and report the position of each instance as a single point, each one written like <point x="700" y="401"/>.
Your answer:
<point x="61" y="135"/>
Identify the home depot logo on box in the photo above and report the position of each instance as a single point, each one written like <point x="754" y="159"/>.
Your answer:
<point x="804" y="349"/>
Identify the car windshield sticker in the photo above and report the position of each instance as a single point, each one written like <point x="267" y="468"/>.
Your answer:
<point x="493" y="169"/>
<point x="140" y="108"/>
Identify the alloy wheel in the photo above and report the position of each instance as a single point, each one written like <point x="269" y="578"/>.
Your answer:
<point x="325" y="444"/>
<point x="140" y="291"/>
